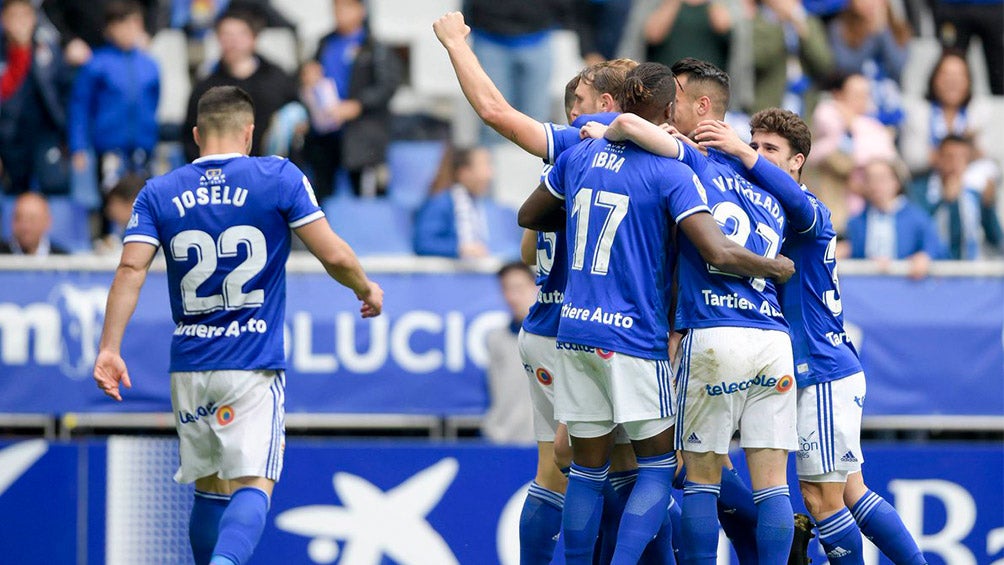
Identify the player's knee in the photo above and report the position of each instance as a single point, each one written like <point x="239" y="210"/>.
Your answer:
<point x="822" y="499"/>
<point x="562" y="454"/>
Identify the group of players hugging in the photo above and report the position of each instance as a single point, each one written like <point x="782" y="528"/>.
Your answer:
<point x="688" y="289"/>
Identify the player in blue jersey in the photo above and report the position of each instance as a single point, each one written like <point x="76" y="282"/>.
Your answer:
<point x="224" y="222"/>
<point x="735" y="361"/>
<point x="614" y="323"/>
<point x="831" y="383"/>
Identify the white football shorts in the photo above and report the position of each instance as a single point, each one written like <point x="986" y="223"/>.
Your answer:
<point x="230" y="423"/>
<point x="735" y="378"/>
<point x="829" y="430"/>
<point x="598" y="389"/>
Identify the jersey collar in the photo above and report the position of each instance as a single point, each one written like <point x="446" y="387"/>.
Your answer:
<point x="220" y="157"/>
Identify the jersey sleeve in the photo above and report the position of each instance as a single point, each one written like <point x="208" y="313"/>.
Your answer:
<point x="559" y="139"/>
<point x="796" y="203"/>
<point x="142" y="226"/>
<point x="684" y="196"/>
<point x="691" y="157"/>
<point x="297" y="202"/>
<point x="555" y="179"/>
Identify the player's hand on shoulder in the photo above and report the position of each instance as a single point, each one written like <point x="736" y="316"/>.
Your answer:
<point x="110" y="371"/>
<point x="451" y="28"/>
<point x="592" y="130"/>
<point x="372" y="300"/>
<point x="785" y="269"/>
<point x="713" y="133"/>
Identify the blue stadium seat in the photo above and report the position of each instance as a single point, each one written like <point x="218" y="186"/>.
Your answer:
<point x="371" y="226"/>
<point x="70" y="223"/>
<point x="413" y="166"/>
<point x="504" y="232"/>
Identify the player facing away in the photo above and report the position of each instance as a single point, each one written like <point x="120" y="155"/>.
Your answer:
<point x="621" y="204"/>
<point x="830" y="380"/>
<point x="224" y="222"/>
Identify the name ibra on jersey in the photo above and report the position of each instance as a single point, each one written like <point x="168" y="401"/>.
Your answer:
<point x="609" y="160"/>
<point x="736" y="302"/>
<point x="723" y="183"/>
<point x="211" y="192"/>
<point x="597" y="315"/>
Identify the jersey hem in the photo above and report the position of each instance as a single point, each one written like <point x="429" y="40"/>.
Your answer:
<point x="623" y="350"/>
<point x="812" y="381"/>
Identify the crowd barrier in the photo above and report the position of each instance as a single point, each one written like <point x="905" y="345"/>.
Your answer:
<point x="932" y="349"/>
<point x="113" y="502"/>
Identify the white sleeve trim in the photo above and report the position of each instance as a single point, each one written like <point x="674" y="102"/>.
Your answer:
<point x="815" y="218"/>
<point x="307" y="219"/>
<point x="139" y="238"/>
<point x="679" y="146"/>
<point x="549" y="135"/>
<point x="553" y="192"/>
<point x="691" y="212"/>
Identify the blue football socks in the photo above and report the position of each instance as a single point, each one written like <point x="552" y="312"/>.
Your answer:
<point x="539" y="525"/>
<point x="737" y="514"/>
<point x="646" y="508"/>
<point x="204" y="524"/>
<point x="699" y="523"/>
<point x="583" y="507"/>
<point x="879" y="521"/>
<point x="775" y="525"/>
<point x="240" y="527"/>
<point x="841" y="539"/>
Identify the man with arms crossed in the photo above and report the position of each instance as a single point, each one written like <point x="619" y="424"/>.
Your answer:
<point x="831" y="384"/>
<point x="224" y="222"/>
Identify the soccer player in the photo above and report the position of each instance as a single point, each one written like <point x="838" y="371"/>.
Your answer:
<point x="735" y="368"/>
<point x="613" y="328"/>
<point x="224" y="222"/>
<point x="831" y="383"/>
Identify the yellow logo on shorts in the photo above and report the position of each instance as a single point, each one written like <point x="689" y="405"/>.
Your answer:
<point x="225" y="415"/>
<point x="784" y="384"/>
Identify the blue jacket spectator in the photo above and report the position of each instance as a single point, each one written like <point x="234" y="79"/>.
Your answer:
<point x="114" y="107"/>
<point x="34" y="87"/>
<point x="454" y="222"/>
<point x="891" y="227"/>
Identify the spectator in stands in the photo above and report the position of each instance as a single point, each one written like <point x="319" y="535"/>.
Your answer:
<point x="82" y="26"/>
<point x="366" y="74"/>
<point x="196" y="17"/>
<point x="959" y="20"/>
<point x="791" y="57"/>
<point x="511" y="39"/>
<point x="599" y="25"/>
<point x="964" y="220"/>
<point x="701" y="29"/>
<point x="114" y="107"/>
<point x="845" y="137"/>
<point x="510" y="415"/>
<point x="453" y="222"/>
<point x="867" y="38"/>
<point x="891" y="227"/>
<point x="30" y="228"/>
<point x="34" y="87"/>
<point x="118" y="212"/>
<point x="949" y="108"/>
<point x="270" y="87"/>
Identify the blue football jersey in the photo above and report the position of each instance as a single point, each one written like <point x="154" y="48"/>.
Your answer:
<point x="561" y="138"/>
<point x="811" y="304"/>
<point x="224" y="222"/>
<point x="748" y="216"/>
<point x="552" y="260"/>
<point x="621" y="202"/>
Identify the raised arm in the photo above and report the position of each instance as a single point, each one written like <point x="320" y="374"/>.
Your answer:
<point x="797" y="205"/>
<point x="341" y="263"/>
<point x="481" y="92"/>
<point x="719" y="251"/>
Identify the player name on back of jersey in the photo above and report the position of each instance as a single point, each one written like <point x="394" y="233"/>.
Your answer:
<point x="597" y="315"/>
<point x="212" y="192"/>
<point x="753" y="195"/>
<point x="609" y="159"/>
<point x="736" y="302"/>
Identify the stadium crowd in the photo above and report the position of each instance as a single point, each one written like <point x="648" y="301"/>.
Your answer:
<point x="905" y="152"/>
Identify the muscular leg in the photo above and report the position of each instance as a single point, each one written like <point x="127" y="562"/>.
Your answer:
<point x="775" y="522"/>
<point x="838" y="533"/>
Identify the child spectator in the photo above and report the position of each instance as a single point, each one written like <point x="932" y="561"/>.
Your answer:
<point x="114" y="107"/>
<point x="118" y="212"/>
<point x="453" y="222"/>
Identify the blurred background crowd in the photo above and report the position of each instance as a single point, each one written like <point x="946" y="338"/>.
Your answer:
<point x="905" y="99"/>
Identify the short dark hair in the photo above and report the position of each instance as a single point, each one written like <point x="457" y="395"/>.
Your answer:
<point x="956" y="138"/>
<point x="517" y="267"/>
<point x="707" y="79"/>
<point x="119" y="10"/>
<point x="462" y="157"/>
<point x="946" y="54"/>
<point x="247" y="13"/>
<point x="224" y="109"/>
<point x="785" y="123"/>
<point x="570" y="94"/>
<point x="127" y="188"/>
<point x="648" y="89"/>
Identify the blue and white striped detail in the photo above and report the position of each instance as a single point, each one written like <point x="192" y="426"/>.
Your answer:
<point x="273" y="463"/>
<point x="765" y="493"/>
<point x="622" y="479"/>
<point x="836" y="525"/>
<point x="664" y="376"/>
<point x="590" y="474"/>
<point x="667" y="461"/>
<point x="681" y="385"/>
<point x="824" y="423"/>
<point x="865" y="506"/>
<point x="555" y="499"/>
<point x="212" y="496"/>
<point x="695" y="488"/>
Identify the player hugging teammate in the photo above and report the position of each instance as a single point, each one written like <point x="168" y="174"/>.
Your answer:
<point x="625" y="213"/>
